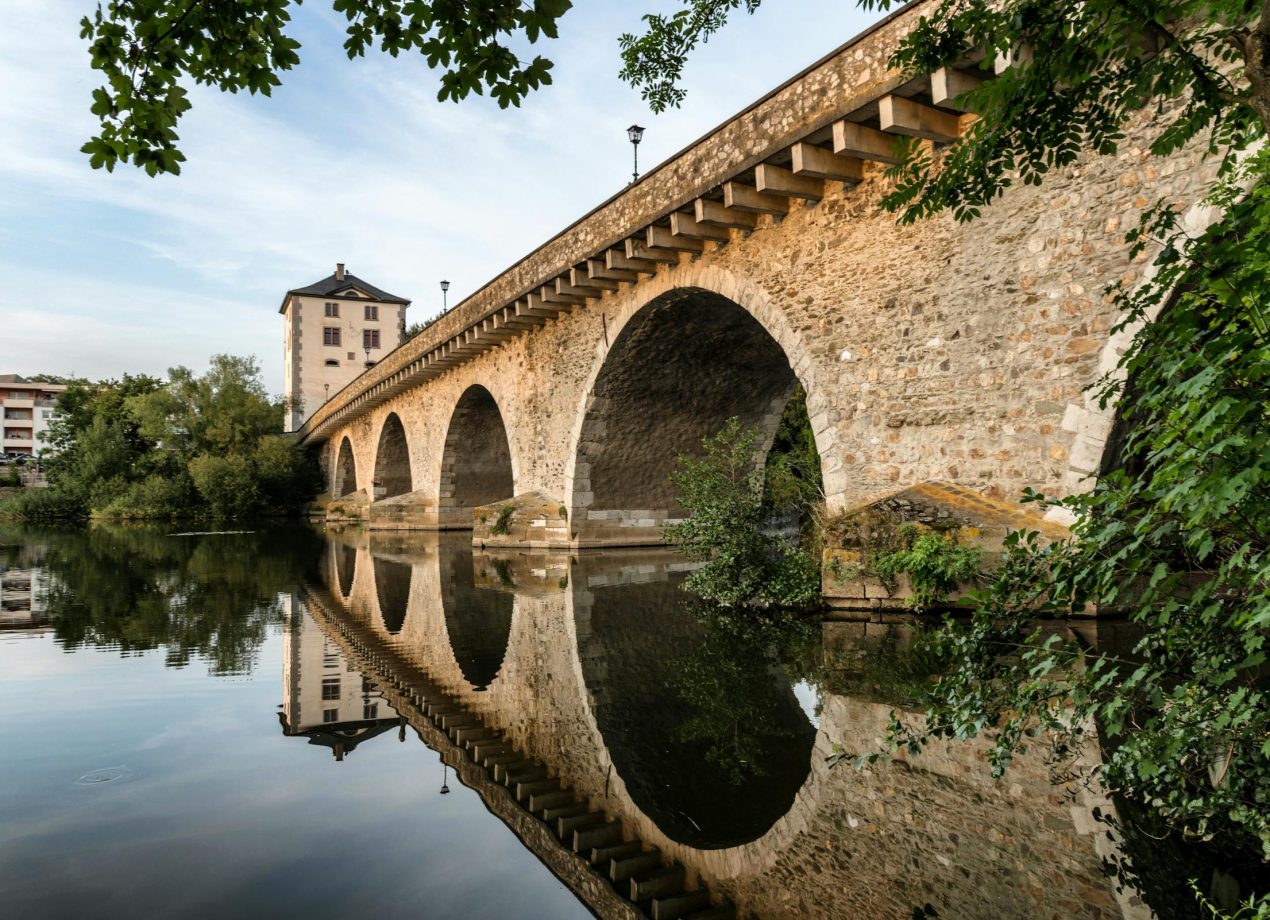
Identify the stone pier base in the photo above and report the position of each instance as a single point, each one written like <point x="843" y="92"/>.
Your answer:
<point x="530" y="520"/>
<point x="412" y="511"/>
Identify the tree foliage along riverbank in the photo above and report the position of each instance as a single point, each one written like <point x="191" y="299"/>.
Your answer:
<point x="192" y="446"/>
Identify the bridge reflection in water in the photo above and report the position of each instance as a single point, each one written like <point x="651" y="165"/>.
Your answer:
<point x="661" y="765"/>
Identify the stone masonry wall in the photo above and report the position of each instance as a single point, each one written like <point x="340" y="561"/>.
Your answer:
<point x="929" y="351"/>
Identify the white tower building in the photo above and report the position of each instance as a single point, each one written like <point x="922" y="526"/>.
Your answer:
<point x="335" y="329"/>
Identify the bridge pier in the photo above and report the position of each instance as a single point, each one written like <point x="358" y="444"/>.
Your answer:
<point x="532" y="520"/>
<point x="410" y="511"/>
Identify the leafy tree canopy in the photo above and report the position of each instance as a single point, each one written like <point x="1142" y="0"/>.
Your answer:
<point x="150" y="50"/>
<point x="190" y="446"/>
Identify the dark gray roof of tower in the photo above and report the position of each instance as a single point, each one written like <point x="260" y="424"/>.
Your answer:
<point x="329" y="285"/>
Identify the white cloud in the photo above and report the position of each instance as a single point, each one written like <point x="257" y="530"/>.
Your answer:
<point x="350" y="161"/>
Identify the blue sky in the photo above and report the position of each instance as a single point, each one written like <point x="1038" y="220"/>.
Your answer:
<point x="348" y="161"/>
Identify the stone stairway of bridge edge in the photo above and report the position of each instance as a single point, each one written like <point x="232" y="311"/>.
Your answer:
<point x="635" y="870"/>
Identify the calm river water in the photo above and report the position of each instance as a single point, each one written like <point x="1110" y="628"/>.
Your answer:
<point x="280" y="723"/>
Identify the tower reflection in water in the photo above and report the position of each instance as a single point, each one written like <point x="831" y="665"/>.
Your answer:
<point x="648" y="755"/>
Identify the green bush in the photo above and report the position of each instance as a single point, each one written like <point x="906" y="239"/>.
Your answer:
<point x="155" y="497"/>
<point x="936" y="565"/>
<point x="227" y="484"/>
<point x="722" y="493"/>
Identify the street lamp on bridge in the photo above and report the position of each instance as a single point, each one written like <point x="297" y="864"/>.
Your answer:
<point x="636" y="134"/>
<point x="445" y="286"/>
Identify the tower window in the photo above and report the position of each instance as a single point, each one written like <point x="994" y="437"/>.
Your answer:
<point x="331" y="335"/>
<point x="332" y="309"/>
<point x="332" y="362"/>
<point x="372" y="312"/>
<point x="370" y="338"/>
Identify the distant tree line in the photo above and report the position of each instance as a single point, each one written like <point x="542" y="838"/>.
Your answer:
<point x="140" y="447"/>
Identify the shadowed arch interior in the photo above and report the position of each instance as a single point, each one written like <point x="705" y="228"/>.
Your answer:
<point x="392" y="589"/>
<point x="685" y="364"/>
<point x="476" y="463"/>
<point x="392" y="460"/>
<point x="345" y="471"/>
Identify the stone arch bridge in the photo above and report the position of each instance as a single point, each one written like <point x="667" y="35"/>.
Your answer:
<point x="548" y="408"/>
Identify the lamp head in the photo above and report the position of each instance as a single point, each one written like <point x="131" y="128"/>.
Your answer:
<point x="445" y="285"/>
<point x="635" y="133"/>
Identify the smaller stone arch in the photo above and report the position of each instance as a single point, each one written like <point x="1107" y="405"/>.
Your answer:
<point x="476" y="462"/>
<point x="392" y="460"/>
<point x="345" y="479"/>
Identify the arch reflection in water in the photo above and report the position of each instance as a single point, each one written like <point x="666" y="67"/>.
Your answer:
<point x="392" y="589"/>
<point x="702" y="726"/>
<point x="345" y="566"/>
<point x="478" y="620"/>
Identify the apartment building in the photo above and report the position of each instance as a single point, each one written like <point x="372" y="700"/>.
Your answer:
<point x="26" y="411"/>
<point x="335" y="329"/>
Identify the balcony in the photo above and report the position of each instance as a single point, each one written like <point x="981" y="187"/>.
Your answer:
<point x="18" y="415"/>
<point x="19" y="402"/>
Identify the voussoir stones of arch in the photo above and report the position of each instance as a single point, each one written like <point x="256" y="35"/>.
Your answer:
<point x="530" y="520"/>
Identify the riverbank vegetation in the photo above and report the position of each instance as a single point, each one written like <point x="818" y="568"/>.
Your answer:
<point x="189" y="447"/>
<point x="136" y="588"/>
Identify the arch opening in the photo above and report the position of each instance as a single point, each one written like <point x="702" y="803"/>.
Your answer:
<point x="392" y="460"/>
<point x="392" y="590"/>
<point x="345" y="471"/>
<point x="476" y="462"/>
<point x="688" y="362"/>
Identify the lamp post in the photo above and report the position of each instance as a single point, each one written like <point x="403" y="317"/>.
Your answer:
<point x="445" y="788"/>
<point x="445" y="286"/>
<point x="636" y="134"/>
<point x="366" y="348"/>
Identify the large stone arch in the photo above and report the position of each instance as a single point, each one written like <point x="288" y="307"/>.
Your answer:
<point x="392" y="460"/>
<point x="699" y="347"/>
<point x="344" y="481"/>
<point x="476" y="461"/>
